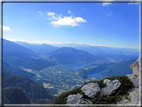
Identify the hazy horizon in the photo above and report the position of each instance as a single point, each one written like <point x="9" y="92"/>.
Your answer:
<point x="95" y="24"/>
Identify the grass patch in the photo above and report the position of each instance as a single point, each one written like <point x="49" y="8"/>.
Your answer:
<point x="62" y="99"/>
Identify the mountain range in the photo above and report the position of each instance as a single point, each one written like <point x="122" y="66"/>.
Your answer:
<point x="94" y="50"/>
<point x="67" y="55"/>
<point x="24" y="63"/>
<point x="40" y="49"/>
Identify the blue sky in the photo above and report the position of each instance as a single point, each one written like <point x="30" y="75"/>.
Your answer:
<point x="110" y="24"/>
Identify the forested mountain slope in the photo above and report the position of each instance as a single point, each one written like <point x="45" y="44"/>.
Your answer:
<point x="66" y="55"/>
<point x="33" y="91"/>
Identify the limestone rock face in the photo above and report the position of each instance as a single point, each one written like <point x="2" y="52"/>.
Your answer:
<point x="135" y="77"/>
<point x="134" y="95"/>
<point x="91" y="89"/>
<point x="136" y="68"/>
<point x="111" y="87"/>
<point x="77" y="99"/>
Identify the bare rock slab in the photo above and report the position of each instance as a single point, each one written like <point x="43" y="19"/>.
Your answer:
<point x="111" y="87"/>
<point x="91" y="89"/>
<point x="77" y="99"/>
<point x="134" y="95"/>
<point x="134" y="79"/>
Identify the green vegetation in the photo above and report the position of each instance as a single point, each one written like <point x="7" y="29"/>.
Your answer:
<point x="32" y="90"/>
<point x="16" y="71"/>
<point x="14" y="95"/>
<point x="120" y="69"/>
<point x="44" y="70"/>
<point x="31" y="63"/>
<point x="59" y="79"/>
<point x="126" y="84"/>
<point x="63" y="97"/>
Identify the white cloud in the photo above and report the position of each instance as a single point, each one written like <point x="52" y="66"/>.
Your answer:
<point x="133" y="3"/>
<point x="65" y="21"/>
<point x="53" y="15"/>
<point x="60" y="20"/>
<point x="6" y="28"/>
<point x="113" y="46"/>
<point x="79" y="19"/>
<point x="106" y="2"/>
<point x="69" y="11"/>
<point x="40" y="12"/>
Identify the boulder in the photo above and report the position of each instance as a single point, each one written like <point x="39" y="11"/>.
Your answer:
<point x="110" y="88"/>
<point x="77" y="99"/>
<point x="91" y="89"/>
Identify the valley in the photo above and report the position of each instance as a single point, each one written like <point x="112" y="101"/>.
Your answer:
<point x="61" y="69"/>
<point x="56" y="78"/>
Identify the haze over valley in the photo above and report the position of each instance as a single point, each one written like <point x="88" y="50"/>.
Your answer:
<point x="52" y="48"/>
<point x="63" y="68"/>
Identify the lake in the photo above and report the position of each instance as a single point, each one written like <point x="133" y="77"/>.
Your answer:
<point x="75" y="66"/>
<point x="96" y="75"/>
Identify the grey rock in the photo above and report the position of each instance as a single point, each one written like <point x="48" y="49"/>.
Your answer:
<point x="91" y="89"/>
<point x="134" y="79"/>
<point x="134" y="92"/>
<point x="111" y="87"/>
<point x="77" y="99"/>
<point x="136" y="68"/>
<point x="72" y="99"/>
<point x="106" y="81"/>
<point x="84" y="101"/>
<point x="135" y="96"/>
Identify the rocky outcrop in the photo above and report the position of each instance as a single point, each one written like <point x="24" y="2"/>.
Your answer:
<point x="133" y="97"/>
<point x="136" y="72"/>
<point x="77" y="99"/>
<point x="91" y="89"/>
<point x="111" y="87"/>
<point x="136" y="68"/>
